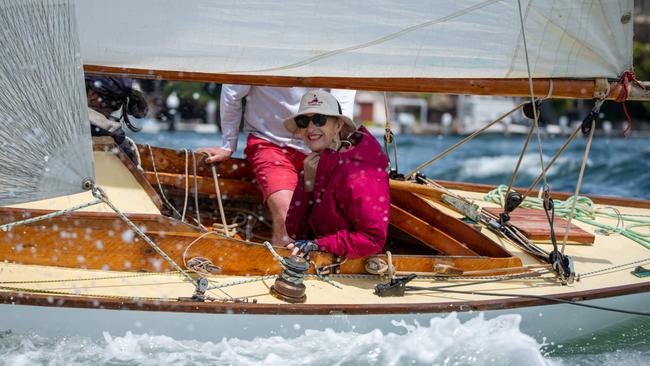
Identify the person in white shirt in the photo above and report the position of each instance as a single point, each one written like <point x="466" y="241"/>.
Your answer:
<point x="276" y="156"/>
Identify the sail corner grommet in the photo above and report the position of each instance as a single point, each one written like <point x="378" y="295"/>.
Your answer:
<point x="87" y="184"/>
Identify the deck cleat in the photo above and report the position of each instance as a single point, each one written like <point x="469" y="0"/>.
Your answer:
<point x="396" y="286"/>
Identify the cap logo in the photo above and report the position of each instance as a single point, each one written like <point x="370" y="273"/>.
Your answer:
<point x="315" y="101"/>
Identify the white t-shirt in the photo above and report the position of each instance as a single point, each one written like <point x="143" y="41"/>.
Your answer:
<point x="266" y="108"/>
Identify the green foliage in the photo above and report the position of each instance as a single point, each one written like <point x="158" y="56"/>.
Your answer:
<point x="199" y="92"/>
<point x="641" y="57"/>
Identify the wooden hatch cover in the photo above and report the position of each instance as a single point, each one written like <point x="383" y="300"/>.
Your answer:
<point x="534" y="225"/>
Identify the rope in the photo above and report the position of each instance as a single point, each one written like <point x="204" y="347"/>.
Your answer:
<point x="609" y="269"/>
<point x="187" y="184"/>
<point x="162" y="192"/>
<point x="99" y="194"/>
<point x="136" y="152"/>
<point x="283" y="264"/>
<point x="139" y="274"/>
<point x="11" y="225"/>
<point x="196" y="194"/>
<point x="550" y="89"/>
<point x="50" y="292"/>
<point x="102" y="198"/>
<point x="218" y="192"/>
<point x="187" y="249"/>
<point x="584" y="211"/>
<point x="461" y="142"/>
<point x="579" y="183"/>
<point x="628" y="79"/>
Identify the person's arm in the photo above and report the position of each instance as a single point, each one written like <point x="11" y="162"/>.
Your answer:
<point x="346" y="99"/>
<point x="365" y="199"/>
<point x="231" y="112"/>
<point x="297" y="221"/>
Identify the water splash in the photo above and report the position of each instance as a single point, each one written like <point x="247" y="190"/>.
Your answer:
<point x="444" y="341"/>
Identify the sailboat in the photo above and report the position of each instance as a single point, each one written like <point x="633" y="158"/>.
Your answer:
<point x="92" y="242"/>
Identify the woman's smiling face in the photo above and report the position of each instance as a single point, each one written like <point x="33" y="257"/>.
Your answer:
<point x="320" y="138"/>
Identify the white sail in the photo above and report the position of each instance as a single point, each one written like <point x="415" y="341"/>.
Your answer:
<point x="380" y="38"/>
<point x="45" y="145"/>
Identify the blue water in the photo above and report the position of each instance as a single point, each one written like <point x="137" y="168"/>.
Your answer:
<point x="619" y="167"/>
<point x="616" y="166"/>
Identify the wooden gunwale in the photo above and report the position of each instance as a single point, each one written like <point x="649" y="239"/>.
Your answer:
<point x="562" y="88"/>
<point x="16" y="298"/>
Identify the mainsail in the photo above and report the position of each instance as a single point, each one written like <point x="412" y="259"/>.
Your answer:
<point x="360" y="39"/>
<point x="45" y="145"/>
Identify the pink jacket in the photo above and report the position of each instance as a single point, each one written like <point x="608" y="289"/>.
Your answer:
<point x="349" y="210"/>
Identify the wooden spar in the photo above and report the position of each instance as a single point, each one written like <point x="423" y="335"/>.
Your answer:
<point x="562" y="88"/>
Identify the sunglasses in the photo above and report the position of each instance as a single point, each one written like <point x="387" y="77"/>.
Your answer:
<point x="319" y="120"/>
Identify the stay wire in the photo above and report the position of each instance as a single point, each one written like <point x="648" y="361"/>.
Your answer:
<point x="389" y="137"/>
<point x="534" y="127"/>
<point x="579" y="184"/>
<point x="461" y="142"/>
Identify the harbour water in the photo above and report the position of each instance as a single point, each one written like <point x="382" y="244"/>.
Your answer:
<point x="619" y="167"/>
<point x="616" y="166"/>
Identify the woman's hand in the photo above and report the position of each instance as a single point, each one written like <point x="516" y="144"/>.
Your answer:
<point x="303" y="247"/>
<point x="310" y="165"/>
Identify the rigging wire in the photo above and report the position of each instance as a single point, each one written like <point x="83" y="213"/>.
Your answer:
<point x="389" y="137"/>
<point x="461" y="142"/>
<point x="579" y="183"/>
<point x="551" y="162"/>
<point x="534" y="126"/>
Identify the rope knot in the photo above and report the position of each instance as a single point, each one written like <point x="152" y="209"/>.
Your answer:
<point x="627" y="80"/>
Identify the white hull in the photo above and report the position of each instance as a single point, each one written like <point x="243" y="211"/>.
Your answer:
<point x="550" y="323"/>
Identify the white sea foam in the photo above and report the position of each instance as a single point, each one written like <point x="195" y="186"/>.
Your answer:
<point x="488" y="166"/>
<point x="444" y="341"/>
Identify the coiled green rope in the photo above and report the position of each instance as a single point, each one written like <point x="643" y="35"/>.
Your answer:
<point x="586" y="212"/>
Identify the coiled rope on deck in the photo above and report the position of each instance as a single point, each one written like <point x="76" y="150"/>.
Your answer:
<point x="585" y="211"/>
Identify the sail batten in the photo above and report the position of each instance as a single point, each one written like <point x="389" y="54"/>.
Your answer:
<point x="371" y="39"/>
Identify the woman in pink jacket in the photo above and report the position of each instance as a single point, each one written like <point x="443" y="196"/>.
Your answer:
<point x="341" y="204"/>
